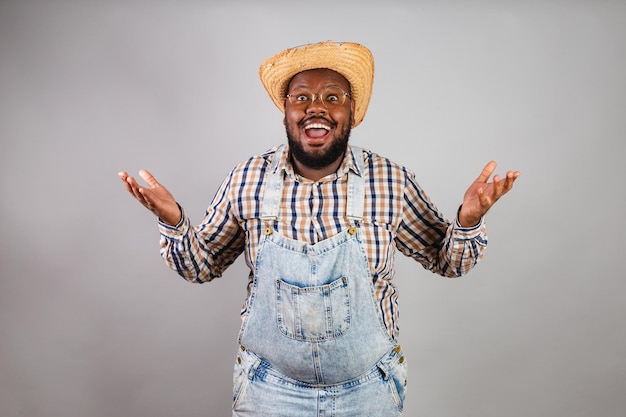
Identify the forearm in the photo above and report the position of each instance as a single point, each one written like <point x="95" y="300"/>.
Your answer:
<point x="444" y="248"/>
<point x="191" y="254"/>
<point x="461" y="249"/>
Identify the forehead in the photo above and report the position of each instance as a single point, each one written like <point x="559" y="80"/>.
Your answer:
<point x="321" y="76"/>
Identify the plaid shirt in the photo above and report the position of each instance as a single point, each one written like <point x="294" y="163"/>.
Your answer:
<point x="397" y="215"/>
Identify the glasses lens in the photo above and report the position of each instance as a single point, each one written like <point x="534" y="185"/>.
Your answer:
<point x="300" y="97"/>
<point x="333" y="96"/>
<point x="330" y="97"/>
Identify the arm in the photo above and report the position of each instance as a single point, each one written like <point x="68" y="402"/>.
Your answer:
<point x="442" y="247"/>
<point x="197" y="254"/>
<point x="449" y="249"/>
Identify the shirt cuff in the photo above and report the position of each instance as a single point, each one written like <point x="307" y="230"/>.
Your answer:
<point x="178" y="231"/>
<point x="468" y="232"/>
<point x="458" y="226"/>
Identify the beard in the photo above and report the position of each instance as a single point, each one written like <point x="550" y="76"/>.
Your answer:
<point x="319" y="159"/>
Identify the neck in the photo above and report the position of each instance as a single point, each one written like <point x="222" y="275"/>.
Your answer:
<point x="315" y="174"/>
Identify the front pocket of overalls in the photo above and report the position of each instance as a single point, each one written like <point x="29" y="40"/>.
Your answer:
<point x="314" y="313"/>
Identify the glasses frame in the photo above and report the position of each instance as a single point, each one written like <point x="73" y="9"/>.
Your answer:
<point x="320" y="97"/>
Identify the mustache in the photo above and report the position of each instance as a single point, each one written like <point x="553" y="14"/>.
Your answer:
<point x="316" y="118"/>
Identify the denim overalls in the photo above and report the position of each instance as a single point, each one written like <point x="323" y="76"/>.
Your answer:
<point x="313" y="342"/>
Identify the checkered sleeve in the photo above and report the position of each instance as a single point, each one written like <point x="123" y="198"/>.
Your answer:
<point x="443" y="247"/>
<point x="202" y="253"/>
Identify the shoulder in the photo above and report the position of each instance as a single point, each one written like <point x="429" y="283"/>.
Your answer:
<point x="378" y="165"/>
<point x="245" y="180"/>
<point x="256" y="162"/>
<point x="253" y="169"/>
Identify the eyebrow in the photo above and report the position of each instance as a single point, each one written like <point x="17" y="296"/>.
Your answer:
<point x="306" y="86"/>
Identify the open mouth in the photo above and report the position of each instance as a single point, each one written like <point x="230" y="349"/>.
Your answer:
<point x="316" y="131"/>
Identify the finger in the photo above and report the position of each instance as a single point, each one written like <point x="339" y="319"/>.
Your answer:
<point x="487" y="171"/>
<point x="509" y="180"/>
<point x="131" y="185"/>
<point x="148" y="178"/>
<point x="498" y="186"/>
<point x="513" y="175"/>
<point x="124" y="177"/>
<point x="484" y="200"/>
<point x="136" y="190"/>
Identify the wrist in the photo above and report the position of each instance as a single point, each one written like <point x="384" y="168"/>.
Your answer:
<point x="465" y="220"/>
<point x="173" y="217"/>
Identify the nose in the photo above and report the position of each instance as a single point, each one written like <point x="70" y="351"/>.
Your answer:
<point x="316" y="105"/>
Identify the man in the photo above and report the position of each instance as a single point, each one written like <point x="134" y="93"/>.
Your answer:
<point x="319" y="221"/>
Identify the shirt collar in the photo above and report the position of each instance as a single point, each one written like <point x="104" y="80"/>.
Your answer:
<point x="348" y="164"/>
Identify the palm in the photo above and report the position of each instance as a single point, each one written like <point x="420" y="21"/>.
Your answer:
<point x="481" y="194"/>
<point x="155" y="198"/>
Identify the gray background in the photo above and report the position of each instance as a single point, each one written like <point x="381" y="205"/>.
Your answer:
<point x="93" y="324"/>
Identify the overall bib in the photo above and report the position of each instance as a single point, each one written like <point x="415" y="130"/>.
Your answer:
<point x="313" y="342"/>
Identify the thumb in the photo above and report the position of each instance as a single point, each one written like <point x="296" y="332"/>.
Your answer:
<point x="148" y="178"/>
<point x="486" y="172"/>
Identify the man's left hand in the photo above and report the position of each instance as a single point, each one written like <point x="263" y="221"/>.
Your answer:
<point x="482" y="194"/>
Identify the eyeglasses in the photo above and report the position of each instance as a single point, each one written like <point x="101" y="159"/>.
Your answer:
<point x="329" y="97"/>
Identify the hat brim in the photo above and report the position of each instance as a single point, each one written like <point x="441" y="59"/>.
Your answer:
<point x="352" y="60"/>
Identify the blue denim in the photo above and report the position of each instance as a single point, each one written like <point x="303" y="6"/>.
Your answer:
<point x="259" y="390"/>
<point x="313" y="340"/>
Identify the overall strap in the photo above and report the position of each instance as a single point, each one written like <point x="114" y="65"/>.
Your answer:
<point x="356" y="188"/>
<point x="273" y="192"/>
<point x="270" y="205"/>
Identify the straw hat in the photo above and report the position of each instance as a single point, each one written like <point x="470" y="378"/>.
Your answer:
<point x="355" y="62"/>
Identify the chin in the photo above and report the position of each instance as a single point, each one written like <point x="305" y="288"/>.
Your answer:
<point x="318" y="158"/>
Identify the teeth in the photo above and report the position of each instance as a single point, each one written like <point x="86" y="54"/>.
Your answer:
<point x="317" y="126"/>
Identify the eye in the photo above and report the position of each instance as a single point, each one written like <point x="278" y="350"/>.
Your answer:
<point x="334" y="96"/>
<point x="299" y="97"/>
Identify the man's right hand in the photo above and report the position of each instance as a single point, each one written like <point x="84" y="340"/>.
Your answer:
<point x="156" y="198"/>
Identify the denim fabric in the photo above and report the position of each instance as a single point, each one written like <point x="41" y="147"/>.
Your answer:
<point x="262" y="391"/>
<point x="313" y="341"/>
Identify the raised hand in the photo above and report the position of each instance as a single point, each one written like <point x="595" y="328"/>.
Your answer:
<point x="156" y="198"/>
<point x="482" y="194"/>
